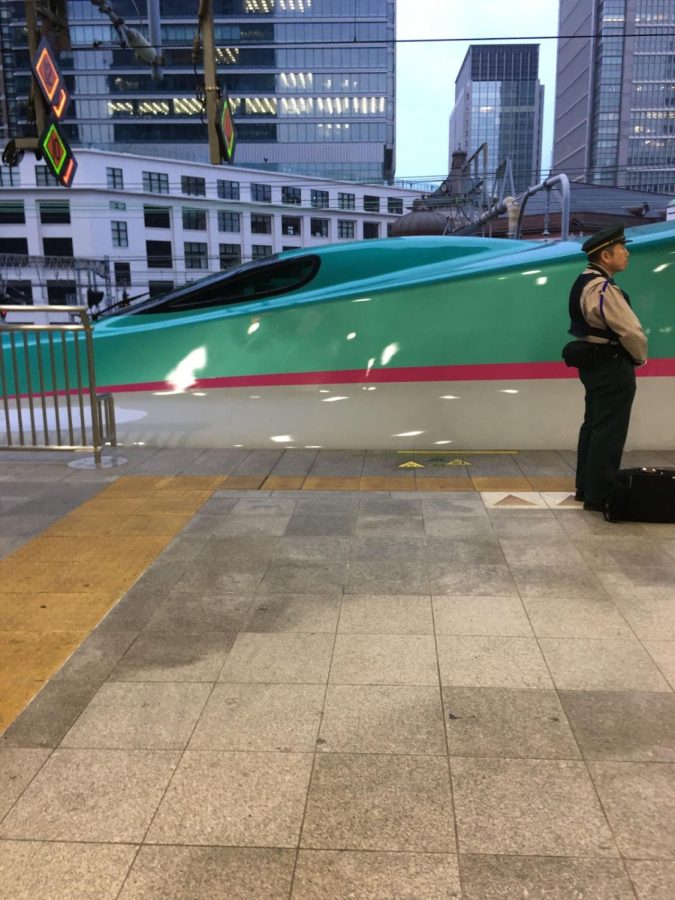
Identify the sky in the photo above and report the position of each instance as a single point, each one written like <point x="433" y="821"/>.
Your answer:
<point x="426" y="71"/>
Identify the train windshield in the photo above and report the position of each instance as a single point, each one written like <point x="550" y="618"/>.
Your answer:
<point x="252" y="281"/>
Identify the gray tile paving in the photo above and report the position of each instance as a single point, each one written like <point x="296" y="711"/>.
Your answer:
<point x="382" y="719"/>
<point x="236" y="799"/>
<point x="379" y="802"/>
<point x="489" y="877"/>
<point x="639" y="800"/>
<point x="53" y="870"/>
<point x="530" y="807"/>
<point x="92" y="795"/>
<point x="207" y="873"/>
<point x="652" y="879"/>
<point x="17" y="768"/>
<point x="345" y="874"/>
<point x="636" y="727"/>
<point x="278" y="706"/>
<point x="507" y="722"/>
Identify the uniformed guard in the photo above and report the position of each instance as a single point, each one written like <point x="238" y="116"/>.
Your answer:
<point x="601" y="315"/>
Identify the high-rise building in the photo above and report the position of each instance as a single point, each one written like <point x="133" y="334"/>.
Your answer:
<point x="615" y="93"/>
<point x="311" y="83"/>
<point x="499" y="102"/>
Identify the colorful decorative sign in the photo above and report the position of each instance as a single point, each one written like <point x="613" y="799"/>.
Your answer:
<point x="227" y="134"/>
<point x="58" y="155"/>
<point x="50" y="80"/>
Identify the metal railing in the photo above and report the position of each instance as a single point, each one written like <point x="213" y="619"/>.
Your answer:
<point x="560" y="181"/>
<point x="48" y="384"/>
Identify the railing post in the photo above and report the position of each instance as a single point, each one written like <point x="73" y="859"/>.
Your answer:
<point x="23" y="375"/>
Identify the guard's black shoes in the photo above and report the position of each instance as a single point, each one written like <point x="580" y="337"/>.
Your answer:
<point x="594" y="507"/>
<point x="579" y="496"/>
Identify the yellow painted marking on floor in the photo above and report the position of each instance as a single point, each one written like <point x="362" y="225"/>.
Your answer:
<point x="444" y="484"/>
<point x="388" y="483"/>
<point x="320" y="483"/>
<point x="411" y="464"/>
<point x="16" y="695"/>
<point x="243" y="482"/>
<point x="457" y="462"/>
<point x="57" y="587"/>
<point x="283" y="483"/>
<point x="135" y="486"/>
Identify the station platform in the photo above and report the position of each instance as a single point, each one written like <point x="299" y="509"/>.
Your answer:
<point x="331" y="674"/>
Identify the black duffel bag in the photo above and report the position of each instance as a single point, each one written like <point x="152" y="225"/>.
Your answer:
<point x="642" y="495"/>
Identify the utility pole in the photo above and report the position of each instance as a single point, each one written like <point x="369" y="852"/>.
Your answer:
<point x="211" y="89"/>
<point x="37" y="102"/>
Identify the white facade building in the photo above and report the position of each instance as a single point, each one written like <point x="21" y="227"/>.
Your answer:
<point x="143" y="225"/>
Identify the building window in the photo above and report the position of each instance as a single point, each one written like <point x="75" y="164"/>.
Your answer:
<point x="196" y="255"/>
<point x="190" y="184"/>
<point x="44" y="178"/>
<point x="395" y="205"/>
<point x="346" y="228"/>
<point x="319" y="199"/>
<point x="157" y="216"/>
<point x="291" y="225"/>
<point x="120" y="235"/>
<point x="10" y="177"/>
<point x="54" y="213"/>
<point x="61" y="293"/>
<point x="156" y="182"/>
<point x="261" y="224"/>
<point x="370" y="203"/>
<point x="346" y="201"/>
<point x="390" y="229"/>
<point x="261" y="193"/>
<point x="194" y="219"/>
<point x="371" y="230"/>
<point x="159" y="254"/>
<point x="291" y="195"/>
<point x="18" y="246"/>
<point x="157" y="288"/>
<point x="230" y="255"/>
<point x="228" y="190"/>
<point x="228" y="221"/>
<point x="114" y="179"/>
<point x="319" y="227"/>
<point x="17" y="292"/>
<point x="122" y="274"/>
<point x="57" y="246"/>
<point x="258" y="251"/>
<point x="116" y="204"/>
<point x="12" y="213"/>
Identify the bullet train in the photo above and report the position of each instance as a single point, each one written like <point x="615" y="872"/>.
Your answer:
<point x="404" y="343"/>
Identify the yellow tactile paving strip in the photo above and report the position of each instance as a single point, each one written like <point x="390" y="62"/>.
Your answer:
<point x="57" y="587"/>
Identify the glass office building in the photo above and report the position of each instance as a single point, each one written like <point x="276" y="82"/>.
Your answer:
<point x="311" y="83"/>
<point x="499" y="102"/>
<point x="615" y="93"/>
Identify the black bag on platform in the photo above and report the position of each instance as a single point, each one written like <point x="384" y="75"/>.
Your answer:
<point x="642" y="495"/>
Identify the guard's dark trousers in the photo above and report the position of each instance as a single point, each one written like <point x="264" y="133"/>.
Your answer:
<point x="610" y="388"/>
